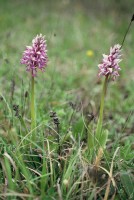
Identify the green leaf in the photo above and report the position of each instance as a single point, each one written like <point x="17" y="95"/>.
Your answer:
<point x="127" y="181"/>
<point x="103" y="138"/>
<point x="78" y="127"/>
<point x="91" y="137"/>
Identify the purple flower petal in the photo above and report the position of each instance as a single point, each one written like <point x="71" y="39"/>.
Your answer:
<point x="35" y="56"/>
<point x="110" y="63"/>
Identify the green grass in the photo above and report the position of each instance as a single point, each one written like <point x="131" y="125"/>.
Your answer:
<point x="70" y="87"/>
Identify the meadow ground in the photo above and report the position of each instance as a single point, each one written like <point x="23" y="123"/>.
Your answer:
<point x="77" y="34"/>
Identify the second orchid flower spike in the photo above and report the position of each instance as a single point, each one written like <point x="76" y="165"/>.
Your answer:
<point x="110" y="63"/>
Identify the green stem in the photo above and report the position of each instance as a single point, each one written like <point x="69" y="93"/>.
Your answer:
<point x="33" y="114"/>
<point x="23" y="125"/>
<point x="43" y="180"/>
<point x="100" y="120"/>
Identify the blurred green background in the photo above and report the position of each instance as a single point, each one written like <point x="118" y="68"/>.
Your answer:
<point x="72" y="28"/>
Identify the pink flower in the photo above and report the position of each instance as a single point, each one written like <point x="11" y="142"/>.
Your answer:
<point x="110" y="63"/>
<point x="35" y="56"/>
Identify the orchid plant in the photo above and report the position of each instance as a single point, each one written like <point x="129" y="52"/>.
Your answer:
<point x="109" y="68"/>
<point x="35" y="58"/>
